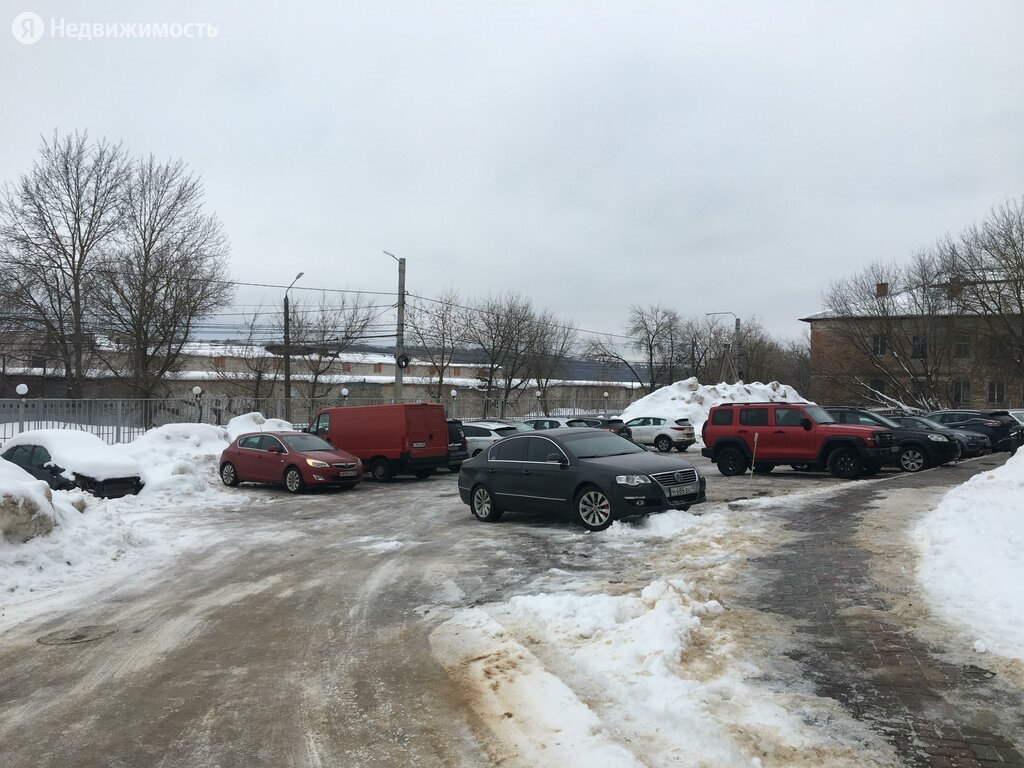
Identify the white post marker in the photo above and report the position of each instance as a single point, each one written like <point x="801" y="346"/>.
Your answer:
<point x="753" y="457"/>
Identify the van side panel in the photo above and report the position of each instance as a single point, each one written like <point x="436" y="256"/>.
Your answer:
<point x="410" y="435"/>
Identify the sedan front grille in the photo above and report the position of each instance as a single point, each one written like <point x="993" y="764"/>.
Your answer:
<point x="678" y="477"/>
<point x="345" y="465"/>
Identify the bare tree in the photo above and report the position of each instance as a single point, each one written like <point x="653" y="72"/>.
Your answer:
<point x="553" y="343"/>
<point x="168" y="271"/>
<point x="436" y="329"/>
<point x="502" y="329"/>
<point x="656" y="334"/>
<point x="259" y="369"/>
<point x="897" y="323"/>
<point x="985" y="265"/>
<point x="319" y="336"/>
<point x="54" y="224"/>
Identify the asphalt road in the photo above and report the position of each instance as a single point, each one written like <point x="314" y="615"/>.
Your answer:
<point x="304" y="640"/>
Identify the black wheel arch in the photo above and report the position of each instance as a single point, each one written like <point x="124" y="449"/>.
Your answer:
<point x="730" y="442"/>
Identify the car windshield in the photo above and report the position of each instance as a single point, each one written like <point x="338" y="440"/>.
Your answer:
<point x="599" y="444"/>
<point x="927" y="423"/>
<point x="819" y="414"/>
<point x="307" y="443"/>
<point x="887" y="422"/>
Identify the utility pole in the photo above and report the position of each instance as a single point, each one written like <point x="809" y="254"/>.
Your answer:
<point x="288" y="354"/>
<point x="401" y="361"/>
<point x="734" y="358"/>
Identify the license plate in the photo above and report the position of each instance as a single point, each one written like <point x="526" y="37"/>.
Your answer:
<point x="894" y="449"/>
<point x="347" y="473"/>
<point x="682" y="490"/>
<point x="419" y="444"/>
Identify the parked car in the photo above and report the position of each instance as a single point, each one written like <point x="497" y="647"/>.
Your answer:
<point x="296" y="460"/>
<point x="547" y="422"/>
<point x="1004" y="431"/>
<point x="919" y="448"/>
<point x="399" y="438"/>
<point x="593" y="476"/>
<point x="618" y="426"/>
<point x="458" y="448"/>
<point x="69" y="458"/>
<point x="971" y="443"/>
<point x="1018" y="415"/>
<point x="738" y="436"/>
<point x="481" y="434"/>
<point x="663" y="434"/>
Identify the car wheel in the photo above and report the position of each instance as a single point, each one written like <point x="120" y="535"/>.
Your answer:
<point x="380" y="470"/>
<point x="730" y="462"/>
<point x="423" y="474"/>
<point x="802" y="467"/>
<point x="293" y="480"/>
<point x="845" y="463"/>
<point x="912" y="459"/>
<point x="682" y="448"/>
<point x="593" y="509"/>
<point x="663" y="443"/>
<point x="228" y="475"/>
<point x="763" y="467"/>
<point x="483" y="506"/>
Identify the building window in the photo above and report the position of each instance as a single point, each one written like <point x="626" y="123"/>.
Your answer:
<point x="456" y="371"/>
<point x="346" y="367"/>
<point x="996" y="391"/>
<point x="961" y="392"/>
<point x="961" y="346"/>
<point x="919" y="347"/>
<point x="378" y="367"/>
<point x="877" y="385"/>
<point x="878" y="345"/>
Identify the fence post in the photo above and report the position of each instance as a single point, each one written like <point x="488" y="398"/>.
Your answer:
<point x="117" y="427"/>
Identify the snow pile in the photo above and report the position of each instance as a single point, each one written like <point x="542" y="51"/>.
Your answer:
<point x="689" y="399"/>
<point x="180" y="458"/>
<point x="628" y="680"/>
<point x="256" y="422"/>
<point x="26" y="504"/>
<point x="971" y="565"/>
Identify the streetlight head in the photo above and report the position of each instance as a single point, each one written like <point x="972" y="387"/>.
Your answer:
<point x="455" y="393"/>
<point x="606" y="394"/>
<point x="344" y="391"/>
<point x="197" y="391"/>
<point x="299" y="275"/>
<point x="21" y="389"/>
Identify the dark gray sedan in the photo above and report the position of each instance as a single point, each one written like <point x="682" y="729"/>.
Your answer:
<point x="593" y="476"/>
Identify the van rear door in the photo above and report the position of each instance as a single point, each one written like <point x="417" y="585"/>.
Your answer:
<point x="426" y="430"/>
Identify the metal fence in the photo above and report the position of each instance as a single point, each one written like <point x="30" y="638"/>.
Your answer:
<point x="122" y="420"/>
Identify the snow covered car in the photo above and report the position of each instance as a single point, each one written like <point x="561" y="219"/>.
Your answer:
<point x="69" y="458"/>
<point x="296" y="460"/>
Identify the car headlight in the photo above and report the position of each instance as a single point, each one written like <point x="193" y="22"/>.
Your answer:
<point x="632" y="479"/>
<point x="937" y="438"/>
<point x="317" y="463"/>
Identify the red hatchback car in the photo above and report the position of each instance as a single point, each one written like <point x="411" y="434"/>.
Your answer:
<point x="295" y="460"/>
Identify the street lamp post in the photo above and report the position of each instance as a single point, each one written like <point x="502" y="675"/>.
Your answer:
<point x="288" y="353"/>
<point x="22" y="390"/>
<point x="605" y="396"/>
<point x="344" y="395"/>
<point x="401" y="361"/>
<point x="197" y="393"/>
<point x="735" y="345"/>
<point x="455" y="394"/>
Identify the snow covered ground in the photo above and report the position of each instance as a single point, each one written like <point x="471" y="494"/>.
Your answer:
<point x="587" y="665"/>
<point x="972" y="558"/>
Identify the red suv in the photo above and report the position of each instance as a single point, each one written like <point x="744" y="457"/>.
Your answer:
<point x="738" y="436"/>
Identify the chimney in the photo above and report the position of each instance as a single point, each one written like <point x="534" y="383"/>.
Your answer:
<point x="881" y="289"/>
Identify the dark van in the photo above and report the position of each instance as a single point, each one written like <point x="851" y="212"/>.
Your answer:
<point x="396" y="439"/>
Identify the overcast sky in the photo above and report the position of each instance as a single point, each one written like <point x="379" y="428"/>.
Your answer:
<point x="712" y="156"/>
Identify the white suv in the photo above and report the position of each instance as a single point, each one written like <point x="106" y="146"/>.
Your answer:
<point x="480" y="434"/>
<point x="663" y="434"/>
